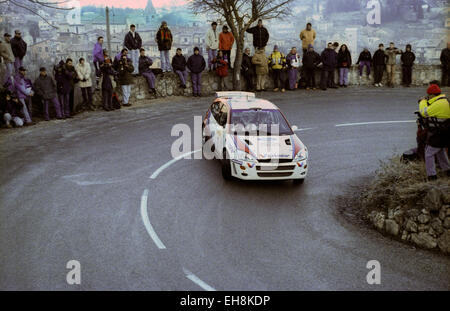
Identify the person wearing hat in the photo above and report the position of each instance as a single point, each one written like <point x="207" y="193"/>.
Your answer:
<point x="11" y="110"/>
<point x="133" y="43"/>
<point x="212" y="44"/>
<point x="436" y="106"/>
<point x="277" y="62"/>
<point x="19" y="48"/>
<point x="164" y="39"/>
<point x="311" y="59"/>
<point x="226" y="41"/>
<point x="308" y="35"/>
<point x="8" y="57"/>
<point x="196" y="64"/>
<point x="24" y="92"/>
<point x="45" y="88"/>
<point x="260" y="35"/>
<point x="407" y="58"/>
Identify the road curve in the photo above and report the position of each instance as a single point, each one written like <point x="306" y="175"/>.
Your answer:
<point x="72" y="190"/>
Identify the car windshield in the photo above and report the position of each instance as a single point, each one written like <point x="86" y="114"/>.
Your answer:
<point x="261" y="121"/>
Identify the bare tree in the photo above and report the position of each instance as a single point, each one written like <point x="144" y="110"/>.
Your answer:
<point x="33" y="6"/>
<point x="240" y="15"/>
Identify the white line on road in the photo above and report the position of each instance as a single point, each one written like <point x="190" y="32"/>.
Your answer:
<point x="302" y="130"/>
<point x="146" y="220"/>
<point x="163" y="167"/>
<point x="197" y="281"/>
<point x="376" y="122"/>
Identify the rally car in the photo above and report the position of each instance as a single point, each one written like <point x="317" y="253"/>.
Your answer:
<point x="252" y="139"/>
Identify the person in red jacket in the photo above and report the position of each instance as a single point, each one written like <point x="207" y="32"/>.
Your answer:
<point x="221" y="63"/>
<point x="226" y="40"/>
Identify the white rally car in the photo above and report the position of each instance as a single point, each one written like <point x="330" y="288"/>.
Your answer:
<point x="253" y="139"/>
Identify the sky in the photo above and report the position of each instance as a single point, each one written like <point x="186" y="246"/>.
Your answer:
<point x="140" y="4"/>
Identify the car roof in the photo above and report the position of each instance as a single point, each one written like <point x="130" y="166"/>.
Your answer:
<point x="243" y="100"/>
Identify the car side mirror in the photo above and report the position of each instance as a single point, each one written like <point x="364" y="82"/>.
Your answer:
<point x="294" y="128"/>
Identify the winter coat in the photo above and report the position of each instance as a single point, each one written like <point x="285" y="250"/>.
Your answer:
<point x="144" y="64"/>
<point x="22" y="87"/>
<point x="408" y="58"/>
<point x="311" y="59"/>
<point x="124" y="72"/>
<point x="14" y="108"/>
<point x="164" y="39"/>
<point x="45" y="87"/>
<point x="222" y="66"/>
<point x="445" y="58"/>
<point x="247" y="65"/>
<point x="6" y="52"/>
<point x="261" y="62"/>
<point x="226" y="41"/>
<point x="19" y="47"/>
<point x="307" y="37"/>
<point x="277" y="60"/>
<point x="132" y="43"/>
<point x="293" y="60"/>
<point x="97" y="53"/>
<point x="212" y="39"/>
<point x="392" y="55"/>
<point x="179" y="63"/>
<point x="379" y="58"/>
<point x="74" y="74"/>
<point x="364" y="57"/>
<point x="64" y="78"/>
<point x="107" y="71"/>
<point x="344" y="59"/>
<point x="329" y="59"/>
<point x="84" y="72"/>
<point x="196" y="63"/>
<point x="260" y="36"/>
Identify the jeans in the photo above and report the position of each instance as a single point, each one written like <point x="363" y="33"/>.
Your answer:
<point x="26" y="109"/>
<point x="8" y="118"/>
<point x="150" y="77"/>
<point x="126" y="92"/>
<point x="86" y="92"/>
<point x="432" y="154"/>
<point x="165" y="61"/>
<point x="362" y="64"/>
<point x="211" y="55"/>
<point x="343" y="76"/>
<point x="64" y="102"/>
<point x="407" y="75"/>
<point x="18" y="62"/>
<point x="135" y="59"/>
<point x="57" y="105"/>
<point x="327" y="78"/>
<point x="196" y="83"/>
<point x="183" y="76"/>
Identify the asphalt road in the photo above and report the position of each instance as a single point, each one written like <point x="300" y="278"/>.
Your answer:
<point x="73" y="190"/>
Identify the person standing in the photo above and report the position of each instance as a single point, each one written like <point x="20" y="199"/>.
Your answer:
<point x="107" y="87"/>
<point x="379" y="64"/>
<point x="19" y="48"/>
<point x="277" y="61"/>
<point x="73" y="81"/>
<point x="247" y="70"/>
<point x="24" y="92"/>
<point x="445" y="63"/>
<point x="221" y="64"/>
<point x="133" y="43"/>
<point x="8" y="56"/>
<point x="407" y="58"/>
<point x="226" y="40"/>
<point x="364" y="60"/>
<point x="98" y="59"/>
<point x="125" y="70"/>
<point x="307" y="36"/>
<point x="164" y="39"/>
<point x="45" y="88"/>
<point x="84" y="75"/>
<point x="391" y="53"/>
<point x="196" y="64"/>
<point x="179" y="66"/>
<point x="293" y="63"/>
<point x="212" y="44"/>
<point x="63" y="79"/>
<point x="145" y="64"/>
<point x="344" y="64"/>
<point x="311" y="59"/>
<point x="261" y="68"/>
<point x="329" y="61"/>
<point x="260" y="35"/>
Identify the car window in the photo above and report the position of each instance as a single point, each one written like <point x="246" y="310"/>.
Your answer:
<point x="259" y="119"/>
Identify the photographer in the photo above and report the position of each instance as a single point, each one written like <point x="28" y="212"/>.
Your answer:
<point x="125" y="68"/>
<point x="107" y="71"/>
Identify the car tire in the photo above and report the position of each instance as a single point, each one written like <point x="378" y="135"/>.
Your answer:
<point x="299" y="181"/>
<point x="226" y="167"/>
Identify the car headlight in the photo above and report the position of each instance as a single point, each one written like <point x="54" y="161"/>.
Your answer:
<point x="302" y="155"/>
<point x="243" y="156"/>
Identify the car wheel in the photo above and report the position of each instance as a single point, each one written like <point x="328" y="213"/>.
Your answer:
<point x="226" y="167"/>
<point x="299" y="181"/>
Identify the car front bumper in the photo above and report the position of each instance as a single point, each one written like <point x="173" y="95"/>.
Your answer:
<point x="269" y="171"/>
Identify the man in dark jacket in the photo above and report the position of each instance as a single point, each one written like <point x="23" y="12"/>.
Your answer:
<point x="107" y="87"/>
<point x="145" y="70"/>
<point x="11" y="110"/>
<point x="179" y="66"/>
<point x="247" y="70"/>
<point x="45" y="88"/>
<point x="133" y="43"/>
<point x="445" y="62"/>
<point x="329" y="61"/>
<point x="73" y="81"/>
<point x="19" y="48"/>
<point x="407" y="58"/>
<point x="310" y="61"/>
<point x="260" y="35"/>
<point x="379" y="64"/>
<point x="364" y="60"/>
<point x="124" y="70"/>
<point x="63" y="78"/>
<point x="164" y="40"/>
<point x="196" y="64"/>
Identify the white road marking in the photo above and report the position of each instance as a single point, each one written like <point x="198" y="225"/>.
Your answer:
<point x="302" y="130"/>
<point x="146" y="220"/>
<point x="197" y="281"/>
<point x="163" y="167"/>
<point x="375" y="122"/>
